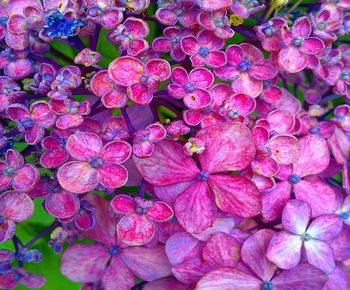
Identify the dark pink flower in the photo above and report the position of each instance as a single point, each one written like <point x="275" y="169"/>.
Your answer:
<point x="10" y="92"/>
<point x="285" y="247"/>
<point x="70" y="113"/>
<point x="32" y="122"/>
<point x="204" y="49"/>
<point x="247" y="69"/>
<point x="108" y="16"/>
<point x="194" y="189"/>
<point x="96" y="163"/>
<point x="114" y="128"/>
<point x="342" y="117"/>
<point x="300" y="47"/>
<point x="14" y="207"/>
<point x="44" y="78"/>
<point x="176" y="129"/>
<point x="245" y="8"/>
<point x="14" y="172"/>
<point x="87" y="57"/>
<point x="15" y="64"/>
<point x="191" y="87"/>
<point x="323" y="26"/>
<point x="217" y="22"/>
<point x="144" y="140"/>
<point x="131" y="36"/>
<point x="175" y="11"/>
<point x="138" y="224"/>
<point x="20" y="276"/>
<point x="237" y="106"/>
<point x="140" y="80"/>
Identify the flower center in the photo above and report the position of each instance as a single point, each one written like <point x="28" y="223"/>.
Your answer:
<point x="17" y="276"/>
<point x="267" y="286"/>
<point x="233" y="114"/>
<point x="345" y="75"/>
<point x="2" y="219"/>
<point x="269" y="30"/>
<point x="190" y="87"/>
<point x="3" y="20"/>
<point x="9" y="171"/>
<point x="175" y="40"/>
<point x="294" y="179"/>
<point x="96" y="162"/>
<point x="203" y="176"/>
<point x="322" y="25"/>
<point x="27" y="123"/>
<point x="315" y="130"/>
<point x="141" y="210"/>
<point x="203" y="51"/>
<point x="306" y="237"/>
<point x="344" y="215"/>
<point x="220" y="22"/>
<point x="244" y="65"/>
<point x="298" y="41"/>
<point x="113" y="251"/>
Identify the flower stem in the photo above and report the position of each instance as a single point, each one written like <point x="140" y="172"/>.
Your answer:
<point x="131" y="129"/>
<point x="41" y="234"/>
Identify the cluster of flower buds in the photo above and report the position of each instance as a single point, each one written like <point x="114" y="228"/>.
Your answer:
<point x="183" y="144"/>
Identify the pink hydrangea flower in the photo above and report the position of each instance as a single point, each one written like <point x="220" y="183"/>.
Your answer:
<point x="204" y="49"/>
<point x="10" y="92"/>
<point x="300" y="47"/>
<point x="246" y="68"/>
<point x="32" y="122"/>
<point x="237" y="107"/>
<point x="20" y="276"/>
<point x="192" y="87"/>
<point x="342" y="117"/>
<point x="176" y="129"/>
<point x="140" y="80"/>
<point x="15" y="64"/>
<point x="169" y="167"/>
<point x="101" y="12"/>
<point x="95" y="163"/>
<point x="70" y="113"/>
<point x="285" y="247"/>
<point x="114" y="128"/>
<point x="323" y="26"/>
<point x="245" y="8"/>
<point x="15" y="173"/>
<point x="44" y="78"/>
<point x="144" y="140"/>
<point x="131" y="36"/>
<point x="15" y="207"/>
<point x="217" y="22"/>
<point x="112" y="95"/>
<point x="194" y="146"/>
<point x="138" y="224"/>
<point x="87" y="57"/>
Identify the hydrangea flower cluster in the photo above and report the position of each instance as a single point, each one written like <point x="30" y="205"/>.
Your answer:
<point x="197" y="144"/>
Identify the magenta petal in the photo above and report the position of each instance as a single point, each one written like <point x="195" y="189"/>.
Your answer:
<point x="241" y="104"/>
<point x="191" y="270"/>
<point x="116" y="152"/>
<point x="68" y="121"/>
<point x="201" y="77"/>
<point x="156" y="132"/>
<point x="17" y="112"/>
<point x="230" y="279"/>
<point x="63" y="204"/>
<point x="112" y="175"/>
<point x="14" y="158"/>
<point x="125" y="70"/>
<point x="284" y="250"/>
<point x="226" y="72"/>
<point x="236" y="195"/>
<point x="135" y="230"/>
<point x="160" y="212"/>
<point x="83" y="146"/>
<point x="140" y="94"/>
<point x="34" y="135"/>
<point x="77" y="177"/>
<point x="33" y="281"/>
<point x="16" y="206"/>
<point x="25" y="178"/>
<point x="84" y="263"/>
<point x="115" y="99"/>
<point x="123" y="204"/>
<point x="312" y="45"/>
<point x="254" y="254"/>
<point x="7" y="231"/>
<point x="158" y="68"/>
<point x="263" y="70"/>
<point x="265" y="166"/>
<point x="281" y="121"/>
<point x="245" y="84"/>
<point x="161" y="44"/>
<point x="304" y="276"/>
<point x="198" y="99"/>
<point x="222" y="151"/>
<point x="320" y="254"/>
<point x="210" y="5"/>
<point x="296" y="216"/>
<point x="325" y="227"/>
<point x="101" y="84"/>
<point x="189" y="45"/>
<point x="216" y="59"/>
<point x="302" y="27"/>
<point x="314" y="156"/>
<point x="167" y="165"/>
<point x="291" y="59"/>
<point x="117" y="275"/>
<point x="195" y="208"/>
<point x="284" y="149"/>
<point x="222" y="250"/>
<point x="147" y="263"/>
<point x="54" y="159"/>
<point x="319" y="195"/>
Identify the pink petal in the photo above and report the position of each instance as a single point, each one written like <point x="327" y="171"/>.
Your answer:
<point x="240" y="103"/>
<point x="235" y="54"/>
<point x="125" y="70"/>
<point x="320" y="255"/>
<point x="41" y="114"/>
<point x="201" y="77"/>
<point x="222" y="150"/>
<point x="296" y="216"/>
<point x="166" y="283"/>
<point x="272" y="94"/>
<point x="189" y="45"/>
<point x="194" y="208"/>
<point x="263" y="70"/>
<point x="161" y="44"/>
<point x="156" y="132"/>
<point x="291" y="59"/>
<point x="84" y="263"/>
<point x="84" y="146"/>
<point x="281" y="121"/>
<point x="254" y="254"/>
<point x="25" y="178"/>
<point x="216" y="59"/>
<point x="135" y="230"/>
<point x="284" y="149"/>
<point x="337" y="280"/>
<point x="116" y="152"/>
<point x="325" y="227"/>
<point x="123" y="204"/>
<point x="312" y="45"/>
<point x="319" y="195"/>
<point x="191" y="270"/>
<point x="284" y="250"/>
<point x="115" y="99"/>
<point x="265" y="166"/>
<point x="143" y="149"/>
<point x="220" y="225"/>
<point x="101" y="84"/>
<point x="7" y="231"/>
<point x="192" y="117"/>
<point x="314" y="156"/>
<point x="303" y="276"/>
<point x="63" y="204"/>
<point x="179" y="76"/>
<point x="16" y="206"/>
<point x="139" y="94"/>
<point x="68" y="121"/>
<point x="112" y="175"/>
<point x="167" y="165"/>
<point x="222" y="250"/>
<point x="159" y="68"/>
<point x="245" y="84"/>
<point x="261" y="136"/>
<point x="33" y="281"/>
<point x="198" y="99"/>
<point x="166" y="16"/>
<point x="226" y="73"/>
<point x="34" y="135"/>
<point x="17" y="112"/>
<point x="228" y="279"/>
<point x="147" y="263"/>
<point x="236" y="195"/>
<point x="117" y="275"/>
<point x="54" y="159"/>
<point x="213" y="5"/>
<point x="77" y="177"/>
<point x="160" y="212"/>
<point x="302" y="27"/>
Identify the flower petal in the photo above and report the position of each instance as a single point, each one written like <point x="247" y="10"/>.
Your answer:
<point x="16" y="206"/>
<point x="123" y="204"/>
<point x="117" y="276"/>
<point x="296" y="216"/>
<point x="84" y="146"/>
<point x="284" y="149"/>
<point x="291" y="59"/>
<point x="160" y="212"/>
<point x="325" y="227"/>
<point x="320" y="255"/>
<point x="112" y="175"/>
<point x="63" y="204"/>
<point x="116" y="152"/>
<point x="125" y="70"/>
